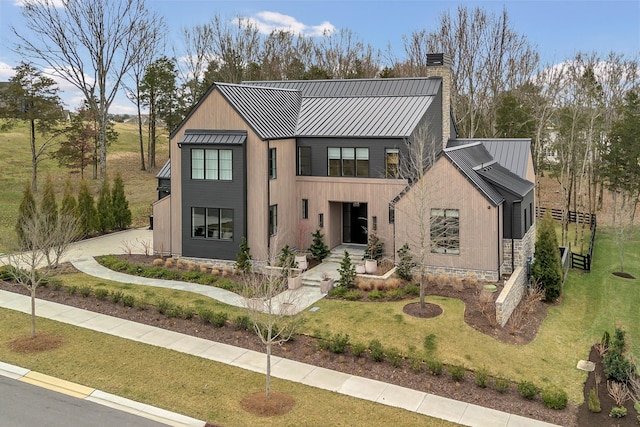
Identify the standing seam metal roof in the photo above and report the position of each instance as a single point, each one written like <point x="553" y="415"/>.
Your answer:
<point x="193" y="136"/>
<point x="511" y="153"/>
<point x="500" y="176"/>
<point x="165" y="172"/>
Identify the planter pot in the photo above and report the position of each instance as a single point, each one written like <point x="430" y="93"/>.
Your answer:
<point x="370" y="266"/>
<point x="360" y="269"/>
<point x="301" y="262"/>
<point x="326" y="286"/>
<point x="294" y="282"/>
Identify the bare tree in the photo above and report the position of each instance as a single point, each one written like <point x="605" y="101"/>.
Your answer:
<point x="198" y="43"/>
<point x="271" y="306"/>
<point x="344" y="56"/>
<point x="33" y="267"/>
<point x="92" y="45"/>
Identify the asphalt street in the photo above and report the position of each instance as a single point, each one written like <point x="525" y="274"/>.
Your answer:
<point x="25" y="405"/>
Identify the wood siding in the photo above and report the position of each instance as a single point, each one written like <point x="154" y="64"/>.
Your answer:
<point x="162" y="226"/>
<point x="282" y="192"/>
<point x="480" y="221"/>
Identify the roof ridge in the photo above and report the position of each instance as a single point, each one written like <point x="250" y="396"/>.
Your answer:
<point x="256" y="87"/>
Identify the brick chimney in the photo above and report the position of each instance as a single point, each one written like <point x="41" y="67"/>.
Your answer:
<point x="439" y="65"/>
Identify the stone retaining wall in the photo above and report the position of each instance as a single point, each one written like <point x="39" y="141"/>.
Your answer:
<point x="511" y="295"/>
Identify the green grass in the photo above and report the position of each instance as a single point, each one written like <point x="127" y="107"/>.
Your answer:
<point x="122" y="155"/>
<point x="192" y="386"/>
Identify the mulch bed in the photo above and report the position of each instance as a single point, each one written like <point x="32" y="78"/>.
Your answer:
<point x="305" y="349"/>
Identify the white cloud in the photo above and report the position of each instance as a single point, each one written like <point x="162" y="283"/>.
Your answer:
<point x="6" y="71"/>
<point x="268" y="21"/>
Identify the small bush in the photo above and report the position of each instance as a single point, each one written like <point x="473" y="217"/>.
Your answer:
<point x="456" y="372"/>
<point x="481" y="377"/>
<point x="242" y="322"/>
<point x="338" y="343"/>
<point x="375" y="295"/>
<point x="219" y="319"/>
<point x="168" y="263"/>
<point x="205" y="315"/>
<point x="429" y="343"/>
<point x="189" y="312"/>
<point x="101" y="293"/>
<point x="164" y="306"/>
<point x="358" y="349"/>
<point x="528" y="390"/>
<point x="555" y="398"/>
<point x="175" y="311"/>
<point x="412" y="290"/>
<point x="435" y="366"/>
<point x="338" y="292"/>
<point x="376" y="351"/>
<point x="501" y="385"/>
<point x="158" y="262"/>
<point x="140" y="303"/>
<point x="116" y="296"/>
<point x="364" y="285"/>
<point x="618" y="412"/>
<point x="394" y="356"/>
<point x="416" y="363"/>
<point x="72" y="290"/>
<point x="353" y="295"/>
<point x="207" y="279"/>
<point x="128" y="300"/>
<point x="395" y="294"/>
<point x="85" y="291"/>
<point x="192" y="276"/>
<point x="594" y="401"/>
<point x="55" y="283"/>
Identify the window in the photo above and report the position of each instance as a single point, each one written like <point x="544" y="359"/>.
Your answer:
<point x="305" y="208"/>
<point x="212" y="223"/>
<point x="374" y="223"/>
<point x="392" y="214"/>
<point x="211" y="164"/>
<point x="273" y="219"/>
<point x="348" y="161"/>
<point x="391" y="162"/>
<point x="320" y="220"/>
<point x="304" y="160"/>
<point x="445" y="231"/>
<point x="272" y="163"/>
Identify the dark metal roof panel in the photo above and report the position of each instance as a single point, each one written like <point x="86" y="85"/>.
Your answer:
<point x="165" y="172"/>
<point x="425" y="86"/>
<point x="271" y="112"/>
<point x="512" y="153"/>
<point x="504" y="178"/>
<point x="466" y="158"/>
<point x="196" y="136"/>
<point x="362" y="116"/>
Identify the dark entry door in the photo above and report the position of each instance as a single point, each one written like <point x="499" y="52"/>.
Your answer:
<point x="354" y="223"/>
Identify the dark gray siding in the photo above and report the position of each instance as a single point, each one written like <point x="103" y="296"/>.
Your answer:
<point x="514" y="214"/>
<point x="214" y="194"/>
<point x="319" y="146"/>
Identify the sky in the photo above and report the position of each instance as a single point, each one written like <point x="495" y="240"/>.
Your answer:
<point x="559" y="29"/>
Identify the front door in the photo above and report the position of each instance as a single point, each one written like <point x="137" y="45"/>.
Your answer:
<point x="354" y="223"/>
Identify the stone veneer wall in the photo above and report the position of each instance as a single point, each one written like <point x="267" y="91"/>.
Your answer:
<point x="511" y="295"/>
<point x="488" y="275"/>
<point x="523" y="248"/>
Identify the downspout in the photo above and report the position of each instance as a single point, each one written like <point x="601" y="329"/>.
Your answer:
<point x="499" y="239"/>
<point x="268" y="201"/>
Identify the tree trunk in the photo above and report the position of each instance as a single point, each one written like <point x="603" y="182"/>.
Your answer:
<point x="142" y="166"/>
<point x="33" y="311"/>
<point x="268" y="385"/>
<point x="34" y="157"/>
<point x="423" y="285"/>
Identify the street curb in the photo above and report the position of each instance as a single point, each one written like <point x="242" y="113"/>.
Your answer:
<point x="100" y="397"/>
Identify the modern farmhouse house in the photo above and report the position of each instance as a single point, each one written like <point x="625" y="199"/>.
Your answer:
<point x="274" y="160"/>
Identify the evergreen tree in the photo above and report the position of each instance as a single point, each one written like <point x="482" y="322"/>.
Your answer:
<point x="406" y="263"/>
<point x="86" y="211"/>
<point x="243" y="259"/>
<point x="26" y="211"/>
<point x="120" y="205"/>
<point x="375" y="248"/>
<point x="105" y="212"/>
<point x="49" y="206"/>
<point x="347" y="271"/>
<point x="69" y="203"/>
<point x="318" y="248"/>
<point x="547" y="266"/>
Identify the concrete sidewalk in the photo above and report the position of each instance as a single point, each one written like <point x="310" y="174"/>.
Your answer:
<point x="351" y="385"/>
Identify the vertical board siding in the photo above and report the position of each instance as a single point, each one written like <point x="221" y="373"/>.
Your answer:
<point x="162" y="226"/>
<point x="282" y="192"/>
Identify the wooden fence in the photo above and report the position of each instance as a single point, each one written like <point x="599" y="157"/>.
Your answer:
<point x="579" y="261"/>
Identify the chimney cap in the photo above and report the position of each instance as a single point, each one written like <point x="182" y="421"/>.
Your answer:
<point x="436" y="59"/>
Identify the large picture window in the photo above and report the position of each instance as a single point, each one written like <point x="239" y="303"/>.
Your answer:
<point x="211" y="164"/>
<point x="304" y="161"/>
<point x="212" y="223"/>
<point x="348" y="161"/>
<point x="445" y="231"/>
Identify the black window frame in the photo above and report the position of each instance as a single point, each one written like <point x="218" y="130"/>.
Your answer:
<point x="205" y="231"/>
<point x="273" y="163"/>
<point x="305" y="208"/>
<point x="346" y="163"/>
<point x="304" y="161"/>
<point x="445" y="231"/>
<point x="204" y="163"/>
<point x="387" y="153"/>
<point x="273" y="220"/>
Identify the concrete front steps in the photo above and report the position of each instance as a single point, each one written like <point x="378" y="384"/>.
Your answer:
<point x="331" y="264"/>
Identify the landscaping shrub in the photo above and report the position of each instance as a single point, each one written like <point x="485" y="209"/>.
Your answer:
<point x="242" y="322"/>
<point x="547" y="266"/>
<point x="416" y="362"/>
<point x="85" y="291"/>
<point x="338" y="292"/>
<point x="243" y="257"/>
<point x="435" y="366"/>
<point x="116" y="296"/>
<point x="555" y="398"/>
<point x="353" y="295"/>
<point x="528" y="390"/>
<point x="376" y="351"/>
<point x="192" y="276"/>
<point x="429" y="343"/>
<point x="501" y="385"/>
<point x="618" y="412"/>
<point x="205" y="314"/>
<point x="72" y="290"/>
<point x="219" y="319"/>
<point x="140" y="303"/>
<point x="616" y="365"/>
<point x="375" y="248"/>
<point x="189" y="312"/>
<point x="405" y="263"/>
<point x="338" y="343"/>
<point x="128" y="300"/>
<point x="56" y="283"/>
<point x="395" y="294"/>
<point x="164" y="306"/>
<point x="358" y="349"/>
<point x="208" y="280"/>
<point x="481" y="377"/>
<point x="594" y="401"/>
<point x="375" y="295"/>
<point x="394" y="356"/>
<point x="101" y="293"/>
<point x="347" y="271"/>
<point x="456" y="372"/>
<point x="318" y="248"/>
<point x="158" y="262"/>
<point x="176" y="311"/>
<point x="412" y="290"/>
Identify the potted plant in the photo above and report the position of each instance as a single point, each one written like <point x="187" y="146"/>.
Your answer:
<point x="373" y="252"/>
<point x="326" y="284"/>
